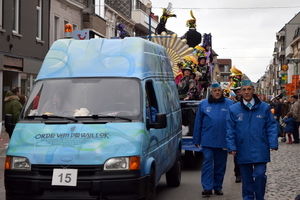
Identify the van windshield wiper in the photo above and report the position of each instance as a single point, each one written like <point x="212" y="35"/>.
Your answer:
<point x="52" y="116"/>
<point x="100" y="116"/>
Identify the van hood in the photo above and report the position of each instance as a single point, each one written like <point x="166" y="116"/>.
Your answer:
<point x="76" y="143"/>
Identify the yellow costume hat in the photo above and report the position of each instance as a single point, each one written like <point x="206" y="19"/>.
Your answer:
<point x="191" y="23"/>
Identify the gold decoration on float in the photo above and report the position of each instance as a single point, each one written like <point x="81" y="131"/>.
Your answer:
<point x="176" y="48"/>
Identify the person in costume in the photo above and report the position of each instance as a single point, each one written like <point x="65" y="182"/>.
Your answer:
<point x="235" y="77"/>
<point x="187" y="87"/>
<point x="210" y="133"/>
<point x="251" y="134"/>
<point x="192" y="36"/>
<point x="122" y="31"/>
<point x="204" y="69"/>
<point x="207" y="47"/>
<point x="167" y="13"/>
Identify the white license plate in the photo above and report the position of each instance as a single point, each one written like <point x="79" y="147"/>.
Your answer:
<point x="64" y="177"/>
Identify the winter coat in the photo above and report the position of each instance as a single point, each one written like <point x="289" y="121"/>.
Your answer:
<point x="193" y="37"/>
<point x="296" y="110"/>
<point x="278" y="107"/>
<point x="285" y="108"/>
<point x="251" y="132"/>
<point x="210" y="122"/>
<point x="289" y="124"/>
<point x="12" y="106"/>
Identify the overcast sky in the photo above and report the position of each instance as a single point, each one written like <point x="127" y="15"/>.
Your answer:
<point x="242" y="30"/>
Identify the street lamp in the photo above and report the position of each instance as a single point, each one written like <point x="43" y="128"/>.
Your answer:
<point x="296" y="61"/>
<point x="149" y="5"/>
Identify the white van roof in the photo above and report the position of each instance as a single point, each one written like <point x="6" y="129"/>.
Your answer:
<point x="129" y="57"/>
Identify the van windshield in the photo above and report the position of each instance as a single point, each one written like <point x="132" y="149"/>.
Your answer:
<point x="85" y="97"/>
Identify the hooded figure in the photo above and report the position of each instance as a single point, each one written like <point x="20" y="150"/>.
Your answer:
<point x="12" y="104"/>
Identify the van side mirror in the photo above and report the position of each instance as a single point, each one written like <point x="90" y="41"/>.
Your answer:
<point x="161" y="122"/>
<point x="9" y="126"/>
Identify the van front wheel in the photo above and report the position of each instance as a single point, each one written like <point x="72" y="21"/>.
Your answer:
<point x="151" y="191"/>
<point x="173" y="176"/>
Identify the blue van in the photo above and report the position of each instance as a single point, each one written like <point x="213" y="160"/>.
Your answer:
<point x="103" y="121"/>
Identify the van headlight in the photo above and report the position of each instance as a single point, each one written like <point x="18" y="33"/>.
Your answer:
<point x="123" y="163"/>
<point x="17" y="163"/>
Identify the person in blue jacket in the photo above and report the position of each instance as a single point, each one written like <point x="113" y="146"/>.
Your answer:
<point x="210" y="133"/>
<point x="251" y="134"/>
<point x="289" y="121"/>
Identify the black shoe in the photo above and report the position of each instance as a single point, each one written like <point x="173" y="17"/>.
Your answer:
<point x="296" y="142"/>
<point x="207" y="192"/>
<point x="238" y="179"/>
<point x="218" y="192"/>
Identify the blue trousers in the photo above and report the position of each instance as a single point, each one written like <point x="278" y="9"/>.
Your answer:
<point x="213" y="168"/>
<point x="254" y="181"/>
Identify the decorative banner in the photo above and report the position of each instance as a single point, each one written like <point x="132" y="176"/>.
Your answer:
<point x="284" y="67"/>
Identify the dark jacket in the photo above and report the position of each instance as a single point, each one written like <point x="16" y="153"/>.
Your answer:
<point x="193" y="37"/>
<point x="285" y="108"/>
<point x="278" y="108"/>
<point x="12" y="106"/>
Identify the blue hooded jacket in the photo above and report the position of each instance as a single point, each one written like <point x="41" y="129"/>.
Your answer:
<point x="289" y="128"/>
<point x="210" y="122"/>
<point x="251" y="132"/>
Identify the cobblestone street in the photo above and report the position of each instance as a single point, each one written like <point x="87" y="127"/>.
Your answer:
<point x="284" y="173"/>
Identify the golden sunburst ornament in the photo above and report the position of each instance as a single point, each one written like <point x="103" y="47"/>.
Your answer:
<point x="176" y="48"/>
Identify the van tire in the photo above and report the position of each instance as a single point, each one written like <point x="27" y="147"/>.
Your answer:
<point x="151" y="191"/>
<point x="173" y="176"/>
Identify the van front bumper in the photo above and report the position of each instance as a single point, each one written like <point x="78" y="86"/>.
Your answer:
<point x="112" y="185"/>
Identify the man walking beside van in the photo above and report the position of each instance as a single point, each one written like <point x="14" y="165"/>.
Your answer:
<point x="210" y="133"/>
<point x="251" y="134"/>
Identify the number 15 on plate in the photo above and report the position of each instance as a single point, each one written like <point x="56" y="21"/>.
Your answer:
<point x="64" y="177"/>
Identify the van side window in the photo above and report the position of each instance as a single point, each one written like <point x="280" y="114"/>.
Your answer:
<point x="151" y="102"/>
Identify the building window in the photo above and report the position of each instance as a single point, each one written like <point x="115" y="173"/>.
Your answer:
<point x="39" y="19"/>
<point x="1" y="13"/>
<point x="226" y="68"/>
<point x="56" y="28"/>
<point x="75" y="27"/>
<point x="65" y="22"/>
<point x="99" y="8"/>
<point x="15" y="16"/>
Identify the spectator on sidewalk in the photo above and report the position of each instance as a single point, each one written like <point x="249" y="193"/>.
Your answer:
<point x="12" y="103"/>
<point x="210" y="133"/>
<point x="285" y="108"/>
<point x="277" y="107"/>
<point x="289" y="126"/>
<point x="296" y="114"/>
<point x="251" y="133"/>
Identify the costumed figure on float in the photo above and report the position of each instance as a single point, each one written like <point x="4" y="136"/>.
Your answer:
<point x="167" y="13"/>
<point x="187" y="86"/>
<point x="122" y="31"/>
<point x="204" y="69"/>
<point x="192" y="36"/>
<point x="235" y="84"/>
